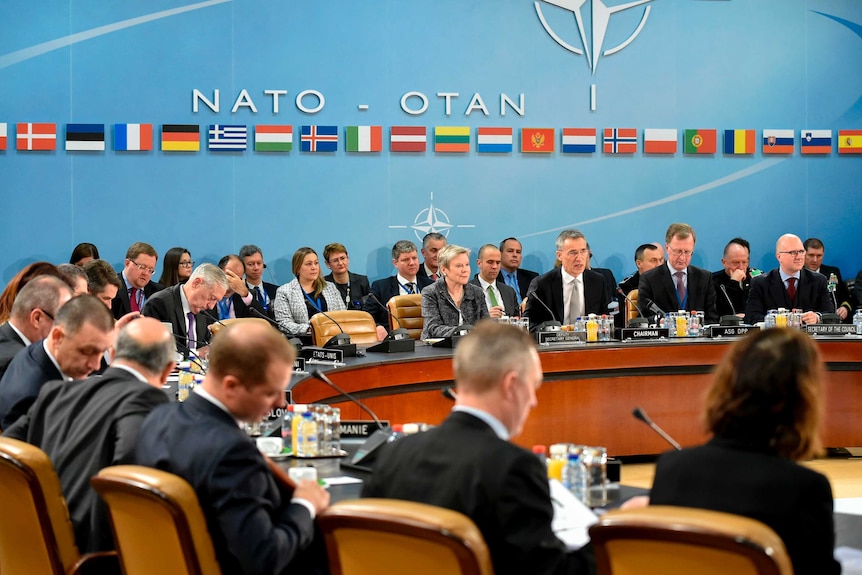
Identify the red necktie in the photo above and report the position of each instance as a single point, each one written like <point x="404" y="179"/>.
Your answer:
<point x="133" y="300"/>
<point x="791" y="288"/>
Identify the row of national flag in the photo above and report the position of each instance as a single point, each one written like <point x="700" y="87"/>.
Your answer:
<point x="445" y="139"/>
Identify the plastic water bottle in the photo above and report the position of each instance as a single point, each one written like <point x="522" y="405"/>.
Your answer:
<point x="287" y="428"/>
<point x="857" y="321"/>
<point x="575" y="477"/>
<point x="307" y="441"/>
<point x="769" y="320"/>
<point x="397" y="433"/>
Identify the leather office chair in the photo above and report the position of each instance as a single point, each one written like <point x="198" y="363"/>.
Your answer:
<point x="158" y="523"/>
<point x="632" y="310"/>
<point x="373" y="536"/>
<point x="218" y="326"/>
<point x="408" y="310"/>
<point x="359" y="325"/>
<point x="663" y="539"/>
<point x="36" y="535"/>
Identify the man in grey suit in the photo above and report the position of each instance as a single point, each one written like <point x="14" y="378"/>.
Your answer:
<point x="500" y="298"/>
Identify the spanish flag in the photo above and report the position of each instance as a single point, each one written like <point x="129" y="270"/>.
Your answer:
<point x="850" y="141"/>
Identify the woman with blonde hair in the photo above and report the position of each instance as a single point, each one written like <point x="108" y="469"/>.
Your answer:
<point x="305" y="295"/>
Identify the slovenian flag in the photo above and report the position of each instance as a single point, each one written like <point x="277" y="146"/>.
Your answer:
<point x="133" y="137"/>
<point x="579" y="141"/>
<point x="815" y="141"/>
<point x="494" y="140"/>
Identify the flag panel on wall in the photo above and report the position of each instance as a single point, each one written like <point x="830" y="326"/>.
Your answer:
<point x="181" y="138"/>
<point x="537" y="140"/>
<point x="620" y="140"/>
<point x="740" y="142"/>
<point x="777" y="141"/>
<point x="224" y="138"/>
<point x="318" y="138"/>
<point x="579" y="141"/>
<point x="133" y="137"/>
<point x="494" y="140"/>
<point x="407" y="139"/>
<point x="451" y="139"/>
<point x="2" y="135"/>
<point x="699" y="141"/>
<point x="36" y="137"/>
<point x="850" y="141"/>
<point x="364" y="138"/>
<point x="660" y="141"/>
<point x="273" y="138"/>
<point x="815" y="142"/>
<point x="85" y="137"/>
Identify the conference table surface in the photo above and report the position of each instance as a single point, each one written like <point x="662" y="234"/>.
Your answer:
<point x="589" y="391"/>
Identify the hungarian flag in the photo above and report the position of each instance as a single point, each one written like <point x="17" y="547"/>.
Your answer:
<point x="41" y="137"/>
<point x="815" y="141"/>
<point x="133" y="137"/>
<point x="660" y="141"/>
<point x="2" y="135"/>
<point x="364" y="138"/>
<point x="739" y="142"/>
<point x="620" y="140"/>
<point x="85" y="137"/>
<point x="494" y="140"/>
<point x="273" y="138"/>
<point x="537" y="140"/>
<point x="407" y="139"/>
<point x="181" y="138"/>
<point x="777" y="141"/>
<point x="579" y="141"/>
<point x="850" y="141"/>
<point x="699" y="141"/>
<point x="451" y="139"/>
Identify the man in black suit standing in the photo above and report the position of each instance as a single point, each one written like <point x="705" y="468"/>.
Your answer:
<point x="257" y="524"/>
<point x="353" y="287"/>
<point x="790" y="286"/>
<point x="238" y="301"/>
<point x="678" y="285"/>
<point x="469" y="465"/>
<point x="814" y="251"/>
<point x="91" y="424"/>
<point x="405" y="258"/>
<point x="32" y="316"/>
<point x="500" y="298"/>
<point x="264" y="292"/>
<point x="570" y="290"/>
<point x="513" y="276"/>
<point x="182" y="305"/>
<point x="137" y="283"/>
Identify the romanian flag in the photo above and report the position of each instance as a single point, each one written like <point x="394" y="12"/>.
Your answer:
<point x="537" y="140"/>
<point x="494" y="140"/>
<point x="181" y="138"/>
<point x="579" y="141"/>
<point x="451" y="139"/>
<point x="620" y="140"/>
<point x="739" y="142"/>
<point x="364" y="138"/>
<point x="660" y="141"/>
<point x="133" y="137"/>
<point x="815" y="141"/>
<point x="2" y="135"/>
<point x="41" y="137"/>
<point x="850" y="141"/>
<point x="699" y="141"/>
<point x="777" y="141"/>
<point x="407" y="139"/>
<point x="273" y="138"/>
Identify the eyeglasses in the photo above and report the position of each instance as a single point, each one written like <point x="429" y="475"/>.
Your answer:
<point x="678" y="253"/>
<point x="144" y="268"/>
<point x="45" y="312"/>
<point x="339" y="259"/>
<point x="184" y="264"/>
<point x="794" y="253"/>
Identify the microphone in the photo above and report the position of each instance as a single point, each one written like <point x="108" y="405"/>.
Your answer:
<point x="831" y="286"/>
<point x="653" y="308"/>
<point x="290" y="337"/>
<point x="633" y="304"/>
<point x="449" y="393"/>
<point x="400" y="332"/>
<point x="215" y="319"/>
<point x="545" y="324"/>
<point x="451" y="340"/>
<point x="368" y="450"/>
<point x="641" y="414"/>
<point x="397" y="340"/>
<point x="727" y="297"/>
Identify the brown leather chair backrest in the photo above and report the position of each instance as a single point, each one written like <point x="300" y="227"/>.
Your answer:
<point x="221" y="324"/>
<point x="358" y="324"/>
<point x="662" y="539"/>
<point x="632" y="310"/>
<point x="373" y="536"/>
<point x="408" y="310"/>
<point x="157" y="521"/>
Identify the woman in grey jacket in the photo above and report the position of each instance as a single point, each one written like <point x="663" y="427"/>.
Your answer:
<point x="452" y="301"/>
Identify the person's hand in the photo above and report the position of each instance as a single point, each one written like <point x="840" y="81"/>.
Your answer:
<point x="125" y="320"/>
<point x="496" y="312"/>
<point x="636" y="502"/>
<point x="203" y="352"/>
<point x="312" y="492"/>
<point x="381" y="333"/>
<point x="738" y="276"/>
<point x="842" y="313"/>
<point x="236" y="284"/>
<point x="809" y="317"/>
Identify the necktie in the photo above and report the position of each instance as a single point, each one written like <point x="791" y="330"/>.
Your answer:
<point x="191" y="331"/>
<point x="680" y="287"/>
<point x="492" y="296"/>
<point x="133" y="300"/>
<point x="791" y="288"/>
<point x="434" y="277"/>
<point x="574" y="304"/>
<point x="257" y="295"/>
<point x="411" y="287"/>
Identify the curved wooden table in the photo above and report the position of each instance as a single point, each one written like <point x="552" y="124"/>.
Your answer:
<point x="589" y="392"/>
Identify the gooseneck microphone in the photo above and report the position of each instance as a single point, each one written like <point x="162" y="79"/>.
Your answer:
<point x="399" y="332"/>
<point x="317" y="374"/>
<point x="339" y="339"/>
<point x="297" y="343"/>
<point x="397" y="340"/>
<point x="641" y="415"/>
<point x="545" y="324"/>
<point x="727" y="297"/>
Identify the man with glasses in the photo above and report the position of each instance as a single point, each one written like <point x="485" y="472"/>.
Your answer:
<point x="790" y="286"/>
<point x="678" y="284"/>
<point x="138" y="286"/>
<point x="181" y="305"/>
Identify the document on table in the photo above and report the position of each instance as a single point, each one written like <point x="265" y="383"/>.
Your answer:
<point x="572" y="518"/>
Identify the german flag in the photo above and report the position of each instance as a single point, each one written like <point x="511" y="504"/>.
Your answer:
<point x="181" y="138"/>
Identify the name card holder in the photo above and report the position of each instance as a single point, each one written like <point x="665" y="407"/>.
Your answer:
<point x="830" y="329"/>
<point x="730" y="330"/>
<point x="560" y="337"/>
<point x="642" y="333"/>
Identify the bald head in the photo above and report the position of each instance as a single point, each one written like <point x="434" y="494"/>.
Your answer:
<point x="246" y="349"/>
<point x="790" y="253"/>
<point x="145" y="345"/>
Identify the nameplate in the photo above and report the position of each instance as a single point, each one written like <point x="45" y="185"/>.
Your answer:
<point x="549" y="337"/>
<point x="830" y="329"/>
<point x="322" y="354"/>
<point x="299" y="364"/>
<point x="640" y="333"/>
<point x="730" y="330"/>
<point x="359" y="429"/>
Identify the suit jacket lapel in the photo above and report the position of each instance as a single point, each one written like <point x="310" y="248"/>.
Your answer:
<point x="557" y="303"/>
<point x="669" y="287"/>
<point x="778" y="291"/>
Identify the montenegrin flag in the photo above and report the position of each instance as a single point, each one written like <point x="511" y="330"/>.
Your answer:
<point x="133" y="137"/>
<point x="699" y="141"/>
<point x="272" y="138"/>
<point x="42" y="137"/>
<point x="579" y="141"/>
<point x="815" y="141"/>
<point x="181" y="138"/>
<point x="850" y="141"/>
<point x="364" y="138"/>
<point x="739" y="142"/>
<point x="660" y="141"/>
<point x="451" y="139"/>
<point x="494" y="140"/>
<point x="407" y="138"/>
<point x="537" y="140"/>
<point x="777" y="141"/>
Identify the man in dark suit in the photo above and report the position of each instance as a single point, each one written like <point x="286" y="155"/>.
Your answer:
<point x="264" y="292"/>
<point x="734" y="281"/>
<point x="500" y="298"/>
<point x="814" y="251"/>
<point x="571" y="290"/>
<point x="137" y="283"/>
<point x="83" y="330"/>
<point x="469" y="465"/>
<point x="790" y="286"/>
<point x="513" y="276"/>
<point x="32" y="316"/>
<point x="647" y="257"/>
<point x="432" y="243"/>
<point x="354" y="288"/>
<point x="182" y="305"/>
<point x="257" y="524"/>
<point x="405" y="258"/>
<point x="91" y="424"/>
<point x="238" y="301"/>
<point x="678" y="285"/>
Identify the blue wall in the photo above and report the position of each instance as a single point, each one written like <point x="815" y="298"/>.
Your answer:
<point x="756" y="64"/>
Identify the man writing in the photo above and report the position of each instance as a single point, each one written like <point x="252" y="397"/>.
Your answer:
<point x="500" y="298"/>
<point x="138" y="286"/>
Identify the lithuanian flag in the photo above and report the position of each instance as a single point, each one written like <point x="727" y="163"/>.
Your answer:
<point x="451" y="139"/>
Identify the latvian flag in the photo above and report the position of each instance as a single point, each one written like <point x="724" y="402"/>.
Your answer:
<point x="621" y="140"/>
<point x="579" y="140"/>
<point x="815" y="141"/>
<point x="36" y="137"/>
<point x="228" y="138"/>
<point x="273" y="138"/>
<point x="777" y="141"/>
<point x="319" y="139"/>
<point x="364" y="138"/>
<point x="494" y="140"/>
<point x="133" y="137"/>
<point x="181" y="138"/>
<point x="407" y="139"/>
<point x="85" y="137"/>
<point x="2" y="135"/>
<point x="660" y="141"/>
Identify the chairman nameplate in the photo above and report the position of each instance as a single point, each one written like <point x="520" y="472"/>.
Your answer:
<point x="641" y="333"/>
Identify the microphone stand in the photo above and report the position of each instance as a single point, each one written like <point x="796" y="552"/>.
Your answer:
<point x="397" y="340"/>
<point x="641" y="415"/>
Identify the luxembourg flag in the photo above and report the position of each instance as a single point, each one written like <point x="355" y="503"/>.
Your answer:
<point x="494" y="140"/>
<point x="133" y="137"/>
<point x="579" y="141"/>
